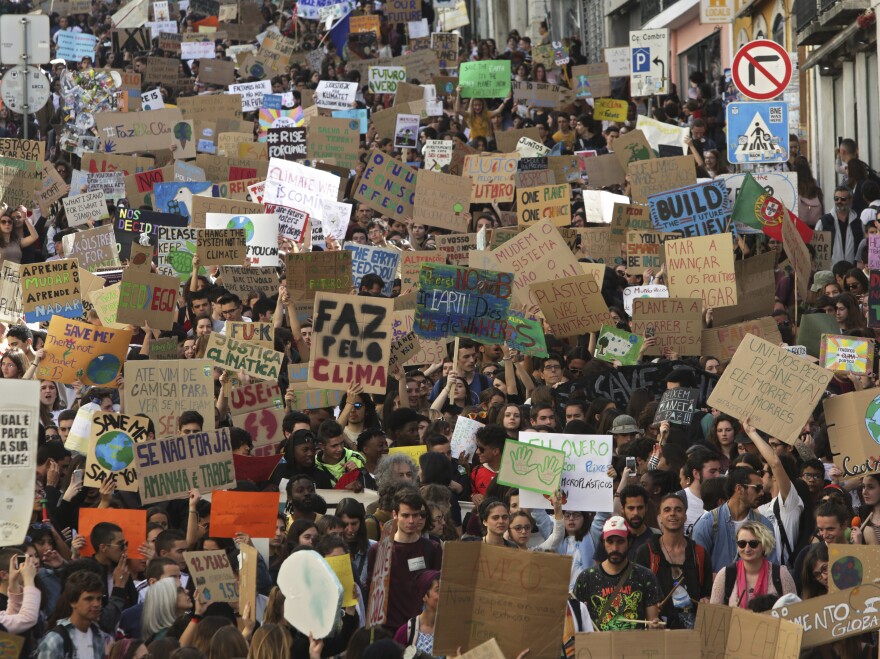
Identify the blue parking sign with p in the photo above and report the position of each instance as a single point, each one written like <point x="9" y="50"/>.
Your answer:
<point x="641" y="60"/>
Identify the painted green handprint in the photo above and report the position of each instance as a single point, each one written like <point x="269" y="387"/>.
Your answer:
<point x="548" y="472"/>
<point x="521" y="461"/>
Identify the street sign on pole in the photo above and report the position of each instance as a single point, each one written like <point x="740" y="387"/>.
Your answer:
<point x="757" y="132"/>
<point x="35" y="35"/>
<point x="761" y="70"/>
<point x="650" y="62"/>
<point x="38" y="89"/>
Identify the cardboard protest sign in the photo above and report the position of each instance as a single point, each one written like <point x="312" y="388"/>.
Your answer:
<point x="441" y="201"/>
<point x="145" y="297"/>
<point x="50" y="289"/>
<point x="93" y="249"/>
<point x="617" y="345"/>
<point x="584" y="484"/>
<point x="11" y="645"/>
<point x="19" y="427"/>
<point x="253" y="513"/>
<point x="846" y="354"/>
<point x="111" y="450"/>
<point x="242" y="281"/>
<point x="52" y="189"/>
<point x="697" y="210"/>
<point x="456" y="246"/>
<point x="546" y="202"/>
<point x="675" y="323"/>
<point x="530" y="467"/>
<point x="677" y="406"/>
<point x="19" y="179"/>
<point x="403" y="349"/>
<point x="164" y="349"/>
<point x="10" y="292"/>
<point x="525" y="333"/>
<point x="403" y="323"/>
<point x="387" y="186"/>
<point x="231" y="355"/>
<point x="821" y="243"/>
<point x="702" y="267"/>
<point x="212" y="574"/>
<point x="132" y="522"/>
<point x="133" y="132"/>
<point x="311" y="272"/>
<point x="798" y="255"/>
<point x="755" y="288"/>
<point x="130" y="224"/>
<point x="644" y="249"/>
<point x="464" y="302"/>
<point x="34" y="150"/>
<point x="541" y="94"/>
<point x="476" y="604"/>
<point x="221" y="246"/>
<point x="571" y="305"/>
<point x="485" y="79"/>
<point x="263" y="334"/>
<point x="169" y="468"/>
<point x="726" y="631"/>
<point x="258" y="408"/>
<point x="377" y="260"/>
<point x="260" y="232"/>
<point x="334" y="138"/>
<point x="535" y="255"/>
<point x="854" y="431"/>
<point x="775" y="388"/>
<point x="352" y="336"/>
<point x="163" y="390"/>
<point x="105" y="302"/>
<point x="874" y="299"/>
<point x="832" y="617"/>
<point x="80" y="351"/>
<point x="619" y="383"/>
<point x="602" y="171"/>
<point x="411" y="263"/>
<point x="663" y="644"/>
<point x="722" y="342"/>
<point x="657" y="175"/>
<point x="491" y="176"/>
<point x="851" y="565"/>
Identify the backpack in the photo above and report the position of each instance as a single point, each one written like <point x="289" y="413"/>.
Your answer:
<point x="730" y="580"/>
<point x="65" y="638"/>
<point x="699" y="558"/>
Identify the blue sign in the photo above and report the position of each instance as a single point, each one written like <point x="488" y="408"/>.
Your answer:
<point x="73" y="46"/>
<point x="641" y="60"/>
<point x="360" y="115"/>
<point x="271" y="101"/>
<point x="757" y="132"/>
<point x="467" y="302"/>
<point x="696" y="210"/>
<point x="366" y="259"/>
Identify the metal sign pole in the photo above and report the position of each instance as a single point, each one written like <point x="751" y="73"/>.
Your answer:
<point x="24" y="57"/>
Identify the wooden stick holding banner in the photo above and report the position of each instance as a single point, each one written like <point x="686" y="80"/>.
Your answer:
<point x="455" y="356"/>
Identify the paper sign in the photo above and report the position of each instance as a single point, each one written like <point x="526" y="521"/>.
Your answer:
<point x="530" y="467"/>
<point x="697" y="210"/>
<point x="111" y="450"/>
<point x="74" y="46"/>
<point x="169" y="468"/>
<point x="163" y="390"/>
<point x="525" y="333"/>
<point x="145" y="297"/>
<point x="251" y="93"/>
<point x="702" y="267"/>
<point x="297" y="186"/>
<point x="770" y="385"/>
<point x="352" y="336"/>
<point x="846" y="354"/>
<point x="50" y="289"/>
<point x="261" y="235"/>
<point x="341" y="566"/>
<point x="608" y="109"/>
<point x="631" y="293"/>
<point x="585" y="484"/>
<point x="377" y="260"/>
<point x="462" y="302"/>
<point x="233" y="355"/>
<point x="475" y="605"/>
<point x="132" y="522"/>
<point x="335" y="95"/>
<point x="80" y="351"/>
<point x="252" y="513"/>
<point x="484" y="79"/>
<point x="675" y="323"/>
<point x="464" y="437"/>
<point x="384" y="79"/>
<point x="571" y="305"/>
<point x="617" y="345"/>
<point x="19" y="427"/>
<point x="212" y="574"/>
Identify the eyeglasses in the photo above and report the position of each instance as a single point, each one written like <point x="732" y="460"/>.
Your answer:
<point x="521" y="529"/>
<point x="226" y="312"/>
<point x="807" y="476"/>
<point x="552" y="367"/>
<point x="754" y="544"/>
<point x="572" y="515"/>
<point x="841" y="199"/>
<point x="480" y="449"/>
<point x="122" y="545"/>
<point x="821" y="572"/>
<point x="5" y="221"/>
<point x="852" y="287"/>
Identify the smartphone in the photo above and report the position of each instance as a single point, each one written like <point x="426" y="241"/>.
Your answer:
<point x="78" y="476"/>
<point x="631" y="464"/>
<point x="20" y="560"/>
<point x="650" y="331"/>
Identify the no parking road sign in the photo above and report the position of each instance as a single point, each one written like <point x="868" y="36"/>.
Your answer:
<point x="761" y="70"/>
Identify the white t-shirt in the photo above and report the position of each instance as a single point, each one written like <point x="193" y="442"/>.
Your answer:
<point x="83" y="642"/>
<point x="790" y="511"/>
<point x="695" y="510"/>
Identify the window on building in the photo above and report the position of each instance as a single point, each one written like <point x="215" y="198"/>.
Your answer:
<point x="703" y="56"/>
<point x="779" y="30"/>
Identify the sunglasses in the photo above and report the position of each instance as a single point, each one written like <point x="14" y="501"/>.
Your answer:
<point x="476" y="415"/>
<point x="841" y="199"/>
<point x="357" y="406"/>
<point x="758" y="487"/>
<point x="754" y="544"/>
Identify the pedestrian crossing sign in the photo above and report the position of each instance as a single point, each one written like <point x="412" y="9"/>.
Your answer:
<point x="757" y="132"/>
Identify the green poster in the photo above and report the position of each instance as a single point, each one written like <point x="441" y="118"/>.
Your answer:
<point x="618" y="345"/>
<point x="489" y="79"/>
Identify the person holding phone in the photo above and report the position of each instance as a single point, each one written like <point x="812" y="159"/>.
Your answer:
<point x="23" y="607"/>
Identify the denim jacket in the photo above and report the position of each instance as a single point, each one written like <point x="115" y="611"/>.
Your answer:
<point x="721" y="544"/>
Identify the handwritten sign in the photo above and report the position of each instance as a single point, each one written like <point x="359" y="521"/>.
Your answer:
<point x="163" y="390"/>
<point x="551" y="202"/>
<point x="702" y="267"/>
<point x="111" y="450"/>
<point x="674" y="322"/>
<point x="367" y="259"/>
<point x="232" y="355"/>
<point x="387" y="186"/>
<point x="79" y="351"/>
<point x="530" y="467"/>
<point x="846" y="354"/>
<point x="697" y="210"/>
<point x="19" y="429"/>
<point x="441" y="200"/>
<point x="145" y="297"/>
<point x="617" y="345"/>
<point x="212" y="574"/>
<point x="50" y="289"/>
<point x="572" y="305"/>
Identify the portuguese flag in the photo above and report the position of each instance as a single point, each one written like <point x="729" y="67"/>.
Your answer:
<point x="757" y="208"/>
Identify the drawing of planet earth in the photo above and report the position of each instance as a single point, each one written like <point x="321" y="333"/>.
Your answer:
<point x="847" y="572"/>
<point x="242" y="222"/>
<point x="103" y="369"/>
<point x="872" y="419"/>
<point x="114" y="450"/>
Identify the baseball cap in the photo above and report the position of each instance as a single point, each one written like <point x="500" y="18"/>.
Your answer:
<point x="302" y="436"/>
<point x="615" y="526"/>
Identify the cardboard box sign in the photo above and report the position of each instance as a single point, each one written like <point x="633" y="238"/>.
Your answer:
<point x="733" y="633"/>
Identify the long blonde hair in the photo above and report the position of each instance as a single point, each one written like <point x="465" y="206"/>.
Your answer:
<point x="270" y="641"/>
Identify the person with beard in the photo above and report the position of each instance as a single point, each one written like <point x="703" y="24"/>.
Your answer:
<point x="411" y="555"/>
<point x="702" y="465"/>
<point x="616" y="590"/>
<point x="301" y="498"/>
<point x="634" y="504"/>
<point x="682" y="567"/>
<point x="716" y="530"/>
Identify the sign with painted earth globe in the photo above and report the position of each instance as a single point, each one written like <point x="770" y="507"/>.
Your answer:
<point x="242" y="222"/>
<point x="114" y="450"/>
<point x="103" y="369"/>
<point x="872" y="419"/>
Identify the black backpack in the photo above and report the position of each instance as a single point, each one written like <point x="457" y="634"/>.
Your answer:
<point x="730" y="580"/>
